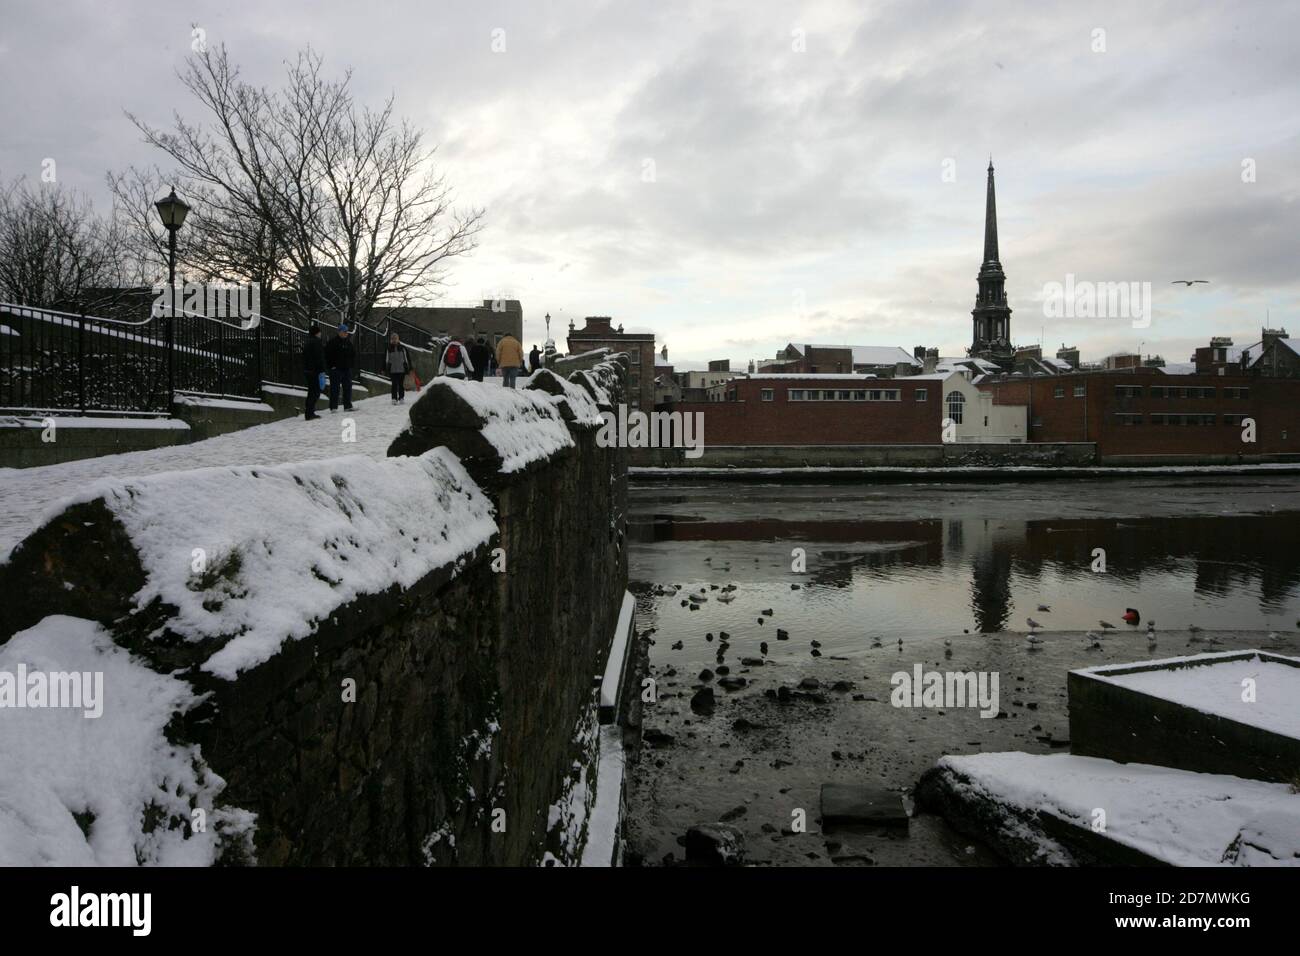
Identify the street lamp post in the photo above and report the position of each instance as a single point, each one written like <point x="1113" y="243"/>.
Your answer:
<point x="172" y="211"/>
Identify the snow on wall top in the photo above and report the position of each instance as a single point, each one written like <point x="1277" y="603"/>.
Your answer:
<point x="520" y="424"/>
<point x="283" y="547"/>
<point x="585" y="409"/>
<point x="1183" y="818"/>
<point x="602" y="379"/>
<point x="55" y="762"/>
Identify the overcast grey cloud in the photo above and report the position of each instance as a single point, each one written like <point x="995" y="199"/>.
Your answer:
<point x="739" y="175"/>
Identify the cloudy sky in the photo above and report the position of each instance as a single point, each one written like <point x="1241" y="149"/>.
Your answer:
<point x="735" y="176"/>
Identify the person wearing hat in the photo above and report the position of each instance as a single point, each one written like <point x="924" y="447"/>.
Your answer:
<point x="341" y="356"/>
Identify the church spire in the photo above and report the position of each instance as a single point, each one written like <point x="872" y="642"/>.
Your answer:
<point x="990" y="221"/>
<point x="991" y="316"/>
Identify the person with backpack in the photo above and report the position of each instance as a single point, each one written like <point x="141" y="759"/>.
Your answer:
<point x="480" y="355"/>
<point x="398" y="363"/>
<point x="313" y="368"/>
<point x="341" y="357"/>
<point x="510" y="358"/>
<point x="455" y="361"/>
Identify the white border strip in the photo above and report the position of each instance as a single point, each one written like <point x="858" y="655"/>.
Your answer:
<point x="603" y="846"/>
<point x="613" y="679"/>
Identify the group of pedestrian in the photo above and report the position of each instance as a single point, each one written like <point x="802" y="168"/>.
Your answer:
<point x="478" y="359"/>
<point x="334" y="363"/>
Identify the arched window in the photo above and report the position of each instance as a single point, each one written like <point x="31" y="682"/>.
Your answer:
<point x="955" y="402"/>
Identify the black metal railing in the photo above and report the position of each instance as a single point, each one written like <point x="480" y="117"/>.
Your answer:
<point x="61" y="361"/>
<point x="65" y="362"/>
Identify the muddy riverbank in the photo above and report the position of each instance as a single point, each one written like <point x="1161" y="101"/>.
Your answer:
<point x="939" y="578"/>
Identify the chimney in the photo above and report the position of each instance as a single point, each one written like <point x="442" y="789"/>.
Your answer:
<point x="931" y="361"/>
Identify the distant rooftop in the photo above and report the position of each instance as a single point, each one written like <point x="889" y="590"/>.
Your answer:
<point x="818" y="376"/>
<point x="869" y="354"/>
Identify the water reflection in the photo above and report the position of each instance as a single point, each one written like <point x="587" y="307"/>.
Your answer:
<point x="907" y="574"/>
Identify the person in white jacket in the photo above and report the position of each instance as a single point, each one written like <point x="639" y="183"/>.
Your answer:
<point x="455" y="361"/>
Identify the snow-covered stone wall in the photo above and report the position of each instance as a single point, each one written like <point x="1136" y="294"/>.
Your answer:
<point x="344" y="661"/>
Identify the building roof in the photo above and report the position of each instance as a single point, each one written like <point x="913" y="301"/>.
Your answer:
<point x="1177" y="368"/>
<point x="1252" y="352"/>
<point x="867" y="354"/>
<point x="813" y="376"/>
<point x="1256" y="352"/>
<point x="970" y="361"/>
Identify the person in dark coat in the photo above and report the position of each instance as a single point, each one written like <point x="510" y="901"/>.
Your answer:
<point x="534" y="360"/>
<point x="313" y="367"/>
<point x="479" y="355"/>
<point x="341" y="357"/>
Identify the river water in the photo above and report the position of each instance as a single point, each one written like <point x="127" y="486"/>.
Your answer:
<point x="883" y="576"/>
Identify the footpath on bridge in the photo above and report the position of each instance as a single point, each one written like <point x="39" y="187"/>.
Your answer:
<point x="31" y="494"/>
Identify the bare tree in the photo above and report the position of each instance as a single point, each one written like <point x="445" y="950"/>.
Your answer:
<point x="337" y="204"/>
<point x="55" y="251"/>
<point x="220" y="242"/>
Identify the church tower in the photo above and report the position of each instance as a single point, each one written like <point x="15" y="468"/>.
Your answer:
<point x="992" y="317"/>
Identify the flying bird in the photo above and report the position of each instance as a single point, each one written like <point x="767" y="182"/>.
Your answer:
<point x="1044" y="609"/>
<point x="1189" y="282"/>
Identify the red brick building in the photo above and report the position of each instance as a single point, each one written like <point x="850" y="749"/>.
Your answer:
<point x="1144" y="412"/>
<point x="639" y="344"/>
<point x="823" y="410"/>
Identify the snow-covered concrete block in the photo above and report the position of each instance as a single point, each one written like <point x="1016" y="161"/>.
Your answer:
<point x="1236" y="712"/>
<point x="1064" y="810"/>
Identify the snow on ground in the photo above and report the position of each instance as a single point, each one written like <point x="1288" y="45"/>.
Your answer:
<point x="1183" y="818"/>
<point x="56" y="762"/>
<point x="1215" y="684"/>
<point x="280" y="547"/>
<point x="31" y="495"/>
<point x="87" y="421"/>
<point x="215" y="401"/>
